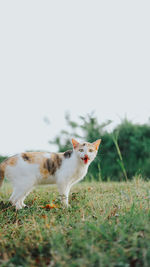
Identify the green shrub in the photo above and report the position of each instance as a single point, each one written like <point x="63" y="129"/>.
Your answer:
<point x="133" y="141"/>
<point x="2" y="158"/>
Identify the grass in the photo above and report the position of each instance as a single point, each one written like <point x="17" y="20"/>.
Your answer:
<point x="108" y="224"/>
<point x="120" y="159"/>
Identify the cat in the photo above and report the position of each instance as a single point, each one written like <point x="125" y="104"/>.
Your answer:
<point x="28" y="169"/>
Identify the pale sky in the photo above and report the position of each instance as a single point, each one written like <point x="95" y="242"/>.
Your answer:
<point x="76" y="56"/>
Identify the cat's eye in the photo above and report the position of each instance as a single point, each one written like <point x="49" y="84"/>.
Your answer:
<point x="90" y="150"/>
<point x="81" y="150"/>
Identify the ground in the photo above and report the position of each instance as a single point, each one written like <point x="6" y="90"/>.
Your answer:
<point x="108" y="224"/>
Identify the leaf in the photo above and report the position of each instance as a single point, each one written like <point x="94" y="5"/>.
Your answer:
<point x="90" y="188"/>
<point x="50" y="206"/>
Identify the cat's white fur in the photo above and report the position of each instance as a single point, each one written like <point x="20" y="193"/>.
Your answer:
<point x="24" y="176"/>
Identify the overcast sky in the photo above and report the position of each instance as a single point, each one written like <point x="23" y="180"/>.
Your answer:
<point x="76" y="56"/>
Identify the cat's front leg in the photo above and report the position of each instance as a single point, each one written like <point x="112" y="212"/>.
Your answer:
<point x="64" y="193"/>
<point x="64" y="200"/>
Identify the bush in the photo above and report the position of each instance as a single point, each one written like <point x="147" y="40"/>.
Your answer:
<point x="2" y="158"/>
<point x="133" y="141"/>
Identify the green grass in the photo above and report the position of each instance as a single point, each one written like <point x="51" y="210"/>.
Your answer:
<point x="108" y="224"/>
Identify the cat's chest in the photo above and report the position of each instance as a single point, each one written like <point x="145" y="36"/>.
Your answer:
<point x="79" y="172"/>
<point x="78" y="175"/>
<point x="73" y="171"/>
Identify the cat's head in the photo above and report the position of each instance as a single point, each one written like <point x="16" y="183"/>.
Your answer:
<point x="85" y="151"/>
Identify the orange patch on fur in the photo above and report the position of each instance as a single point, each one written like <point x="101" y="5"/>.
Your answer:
<point x="75" y="143"/>
<point x="37" y="158"/>
<point x="97" y="143"/>
<point x="12" y="161"/>
<point x="50" y="165"/>
<point x="32" y="157"/>
<point x="8" y="162"/>
<point x="1" y="176"/>
<point x="44" y="172"/>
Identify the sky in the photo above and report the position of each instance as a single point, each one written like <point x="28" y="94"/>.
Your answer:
<point x="70" y="56"/>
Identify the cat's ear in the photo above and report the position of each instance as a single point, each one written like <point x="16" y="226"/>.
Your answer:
<point x="74" y="143"/>
<point x="97" y="143"/>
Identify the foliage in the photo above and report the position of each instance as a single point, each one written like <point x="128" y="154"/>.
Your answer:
<point x="132" y="140"/>
<point x="107" y="225"/>
<point x="2" y="158"/>
<point x="134" y="143"/>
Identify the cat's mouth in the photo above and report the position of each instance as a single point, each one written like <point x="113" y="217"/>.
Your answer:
<point x="85" y="159"/>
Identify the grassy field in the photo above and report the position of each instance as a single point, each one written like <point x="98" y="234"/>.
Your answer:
<point x="108" y="224"/>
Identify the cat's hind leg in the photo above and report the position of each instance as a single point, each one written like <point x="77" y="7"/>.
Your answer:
<point x="20" y="203"/>
<point x="19" y="198"/>
<point x="20" y="192"/>
<point x="22" y="200"/>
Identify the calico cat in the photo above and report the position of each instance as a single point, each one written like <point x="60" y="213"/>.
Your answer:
<point x="28" y="169"/>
